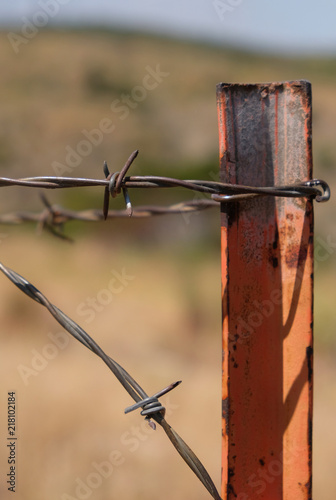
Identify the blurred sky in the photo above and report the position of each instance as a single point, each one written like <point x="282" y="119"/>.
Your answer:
<point x="284" y="26"/>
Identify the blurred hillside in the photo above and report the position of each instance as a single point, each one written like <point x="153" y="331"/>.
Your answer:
<point x="64" y="109"/>
<point x="72" y="99"/>
<point x="63" y="85"/>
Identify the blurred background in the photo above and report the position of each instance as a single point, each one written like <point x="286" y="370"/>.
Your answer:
<point x="67" y="67"/>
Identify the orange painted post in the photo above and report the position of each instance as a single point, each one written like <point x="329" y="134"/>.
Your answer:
<point x="267" y="276"/>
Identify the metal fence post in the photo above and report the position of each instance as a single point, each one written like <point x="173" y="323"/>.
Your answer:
<point x="267" y="277"/>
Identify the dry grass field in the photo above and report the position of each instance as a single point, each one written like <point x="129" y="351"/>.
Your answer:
<point x="163" y="324"/>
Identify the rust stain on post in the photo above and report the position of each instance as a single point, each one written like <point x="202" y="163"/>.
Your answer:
<point x="267" y="276"/>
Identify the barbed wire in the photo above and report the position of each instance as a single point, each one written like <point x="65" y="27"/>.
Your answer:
<point x="151" y="407"/>
<point x="226" y="192"/>
<point x="54" y="217"/>
<point x="219" y="191"/>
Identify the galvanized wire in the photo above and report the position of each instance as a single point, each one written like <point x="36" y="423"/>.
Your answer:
<point x="150" y="405"/>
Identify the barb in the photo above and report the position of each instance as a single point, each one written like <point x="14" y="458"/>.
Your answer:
<point x="115" y="185"/>
<point x="152" y="408"/>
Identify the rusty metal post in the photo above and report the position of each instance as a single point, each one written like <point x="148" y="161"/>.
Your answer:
<point x="267" y="276"/>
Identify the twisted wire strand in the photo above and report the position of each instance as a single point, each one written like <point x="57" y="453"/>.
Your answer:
<point x="304" y="189"/>
<point x="223" y="192"/>
<point x="54" y="218"/>
<point x="131" y="386"/>
<point x="62" y="215"/>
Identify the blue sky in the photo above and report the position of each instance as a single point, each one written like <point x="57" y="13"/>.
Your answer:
<point x="295" y="26"/>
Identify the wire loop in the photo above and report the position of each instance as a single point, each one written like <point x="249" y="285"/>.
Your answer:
<point x="308" y="189"/>
<point x="112" y="184"/>
<point x="325" y="196"/>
